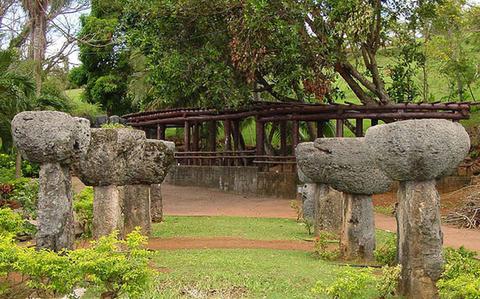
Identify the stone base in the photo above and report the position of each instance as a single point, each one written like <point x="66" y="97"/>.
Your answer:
<point x="136" y="208"/>
<point x="357" y="240"/>
<point x="309" y="195"/>
<point x="420" y="239"/>
<point x="55" y="212"/>
<point x="156" y="204"/>
<point x="107" y="211"/>
<point x="328" y="210"/>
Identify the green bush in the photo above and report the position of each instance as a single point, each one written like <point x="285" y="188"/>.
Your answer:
<point x="25" y="192"/>
<point x="461" y="277"/>
<point x="83" y="207"/>
<point x="11" y="223"/>
<point x="353" y="283"/>
<point x="7" y="175"/>
<point x="110" y="266"/>
<point x="386" y="254"/>
<point x="321" y="246"/>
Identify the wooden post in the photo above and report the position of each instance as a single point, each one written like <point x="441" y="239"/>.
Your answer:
<point x="320" y="129"/>
<point x="195" y="136"/>
<point x="161" y="132"/>
<point x="260" y="136"/>
<point x="374" y="122"/>
<point x="295" y="135"/>
<point x="236" y="135"/>
<point x="359" y="127"/>
<point x="212" y="136"/>
<point x="339" y="129"/>
<point x="283" y="137"/>
<point x="186" y="137"/>
<point x="228" y="139"/>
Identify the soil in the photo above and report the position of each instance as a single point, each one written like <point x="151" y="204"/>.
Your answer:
<point x="198" y="201"/>
<point x="226" y="243"/>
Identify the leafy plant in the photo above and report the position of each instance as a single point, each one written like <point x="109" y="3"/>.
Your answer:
<point x="351" y="283"/>
<point x="83" y="207"/>
<point x="321" y="246"/>
<point x="295" y="205"/>
<point x="387" y="253"/>
<point x="387" y="282"/>
<point x="11" y="223"/>
<point x="25" y="192"/>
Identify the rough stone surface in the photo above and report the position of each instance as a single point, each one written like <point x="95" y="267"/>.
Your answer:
<point x="357" y="240"/>
<point x="55" y="213"/>
<point x="328" y="210"/>
<point x="156" y="203"/>
<point x="418" y="150"/>
<point x="419" y="239"/>
<point x="136" y="208"/>
<point x="156" y="161"/>
<point x="48" y="136"/>
<point x="309" y="197"/>
<point x="82" y="137"/>
<point x="107" y="211"/>
<point x="346" y="164"/>
<point x="113" y="157"/>
<point x="303" y="178"/>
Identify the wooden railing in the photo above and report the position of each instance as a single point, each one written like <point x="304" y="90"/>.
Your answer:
<point x="236" y="158"/>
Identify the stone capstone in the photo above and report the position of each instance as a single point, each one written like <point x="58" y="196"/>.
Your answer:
<point x="156" y="161"/>
<point x="346" y="164"/>
<point x="418" y="150"/>
<point x="49" y="136"/>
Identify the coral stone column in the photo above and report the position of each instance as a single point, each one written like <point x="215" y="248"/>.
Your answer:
<point x="345" y="164"/>
<point x="53" y="139"/>
<point x="416" y="152"/>
<point x="110" y="163"/>
<point x="156" y="203"/>
<point x="137" y="198"/>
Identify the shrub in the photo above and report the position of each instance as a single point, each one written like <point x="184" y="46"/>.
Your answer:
<point x="461" y="277"/>
<point x="7" y="175"/>
<point x="25" y="192"/>
<point x="351" y="283"/>
<point x="11" y="223"/>
<point x="321" y="246"/>
<point x="83" y="207"/>
<point x="386" y="254"/>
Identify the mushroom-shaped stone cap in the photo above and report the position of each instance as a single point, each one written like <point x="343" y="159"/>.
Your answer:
<point x="418" y="150"/>
<point x="49" y="136"/>
<point x="157" y="159"/>
<point x="303" y="178"/>
<point x="346" y="164"/>
<point x="112" y="157"/>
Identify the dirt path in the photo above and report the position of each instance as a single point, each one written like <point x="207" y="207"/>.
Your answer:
<point x="196" y="201"/>
<point x="226" y="243"/>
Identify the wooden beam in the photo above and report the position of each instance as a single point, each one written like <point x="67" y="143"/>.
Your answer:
<point x="295" y="135"/>
<point x="339" y="128"/>
<point x="195" y="137"/>
<point x="359" y="127"/>
<point x="186" y="136"/>
<point x="161" y="132"/>
<point x="283" y="138"/>
<point x="321" y="128"/>
<point x="374" y="122"/>
<point x="260" y="137"/>
<point x="236" y="135"/>
<point x="212" y="136"/>
<point x="228" y="133"/>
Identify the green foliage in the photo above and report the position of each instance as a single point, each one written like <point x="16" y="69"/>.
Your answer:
<point x="351" y="283"/>
<point x="113" y="266"/>
<point x="83" y="207"/>
<point x="116" y="267"/>
<point x="461" y="277"/>
<point x="78" y="76"/>
<point x="354" y="283"/>
<point x="11" y="223"/>
<point x="386" y="254"/>
<point x="321" y="249"/>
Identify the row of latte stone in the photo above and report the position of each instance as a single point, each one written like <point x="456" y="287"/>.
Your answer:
<point x="341" y="174"/>
<point x="124" y="167"/>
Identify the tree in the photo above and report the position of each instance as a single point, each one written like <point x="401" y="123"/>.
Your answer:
<point x="105" y="58"/>
<point x="219" y="52"/>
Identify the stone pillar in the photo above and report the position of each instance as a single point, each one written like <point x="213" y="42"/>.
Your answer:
<point x="420" y="238"/>
<point x="156" y="203"/>
<point x="358" y="228"/>
<point x="328" y="210"/>
<point x="309" y="196"/>
<point x="107" y="211"/>
<point x="136" y="208"/>
<point x="416" y="152"/>
<point x="55" y="140"/>
<point x="346" y="165"/>
<point x="55" y="213"/>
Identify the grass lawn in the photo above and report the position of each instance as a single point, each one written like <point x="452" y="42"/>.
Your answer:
<point x="238" y="273"/>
